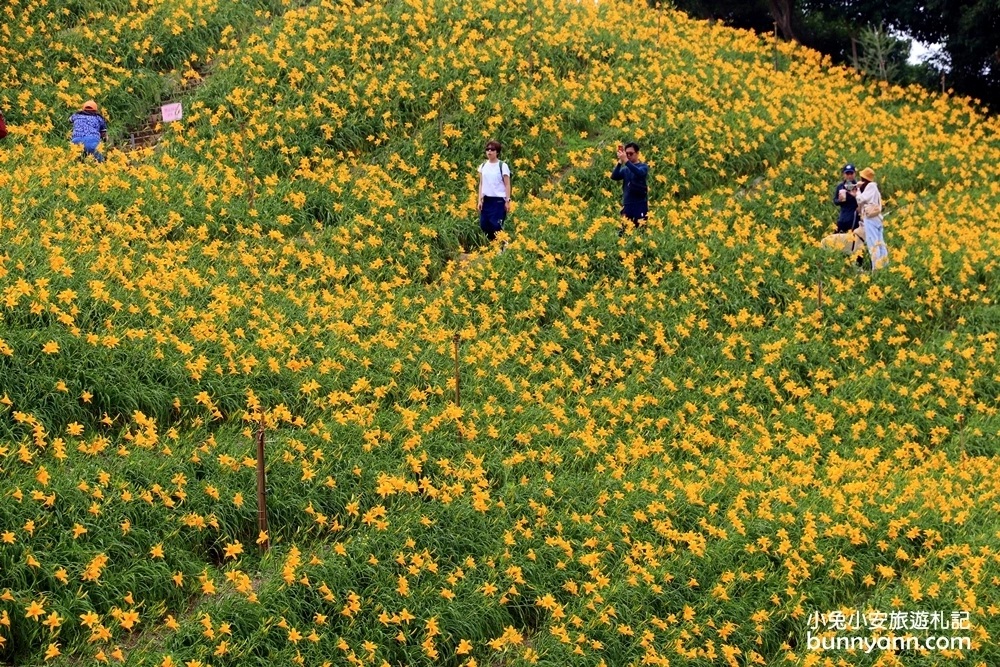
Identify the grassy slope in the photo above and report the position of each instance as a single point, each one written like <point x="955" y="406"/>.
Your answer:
<point x="665" y="449"/>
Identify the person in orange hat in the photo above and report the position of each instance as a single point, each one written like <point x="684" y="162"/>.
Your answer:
<point x="89" y="129"/>
<point x="870" y="209"/>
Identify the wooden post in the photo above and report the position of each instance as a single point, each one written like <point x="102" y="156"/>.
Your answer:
<point x="251" y="191"/>
<point x="261" y="482"/>
<point x="658" y="15"/>
<point x="441" y="115"/>
<point x="775" y="49"/>
<point x="531" y="41"/>
<point x="458" y="395"/>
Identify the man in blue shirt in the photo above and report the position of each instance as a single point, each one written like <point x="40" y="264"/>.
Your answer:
<point x="89" y="129"/>
<point x="635" y="192"/>
<point x="844" y="197"/>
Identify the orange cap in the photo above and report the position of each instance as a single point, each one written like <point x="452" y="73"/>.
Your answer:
<point x="90" y="105"/>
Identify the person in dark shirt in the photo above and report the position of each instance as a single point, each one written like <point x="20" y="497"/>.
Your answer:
<point x="632" y="172"/>
<point x="89" y="129"/>
<point x="844" y="197"/>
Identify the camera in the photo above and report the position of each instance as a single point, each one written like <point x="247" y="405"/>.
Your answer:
<point x="850" y="187"/>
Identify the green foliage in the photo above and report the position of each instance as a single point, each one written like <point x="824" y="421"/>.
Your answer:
<point x="882" y="54"/>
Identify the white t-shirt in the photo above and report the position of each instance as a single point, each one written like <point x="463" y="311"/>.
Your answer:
<point x="492" y="174"/>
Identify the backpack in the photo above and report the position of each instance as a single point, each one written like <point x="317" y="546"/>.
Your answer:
<point x="3" y="126"/>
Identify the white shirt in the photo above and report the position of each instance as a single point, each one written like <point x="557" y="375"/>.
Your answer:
<point x="491" y="179"/>
<point x="871" y="195"/>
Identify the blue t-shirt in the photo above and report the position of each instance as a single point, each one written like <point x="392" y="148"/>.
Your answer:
<point x="88" y="125"/>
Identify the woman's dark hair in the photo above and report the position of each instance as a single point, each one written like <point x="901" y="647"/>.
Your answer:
<point x="493" y="143"/>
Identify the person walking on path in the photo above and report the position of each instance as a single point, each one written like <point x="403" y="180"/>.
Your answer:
<point x="632" y="172"/>
<point x="89" y="129"/>
<point x="494" y="191"/>
<point x="870" y="208"/>
<point x="844" y="197"/>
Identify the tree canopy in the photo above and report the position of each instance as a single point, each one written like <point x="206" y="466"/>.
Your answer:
<point x="966" y="29"/>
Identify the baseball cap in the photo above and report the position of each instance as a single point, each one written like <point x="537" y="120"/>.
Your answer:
<point x="848" y="167"/>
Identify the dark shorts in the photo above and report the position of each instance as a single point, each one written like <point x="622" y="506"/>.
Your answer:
<point x="492" y="216"/>
<point x="635" y="212"/>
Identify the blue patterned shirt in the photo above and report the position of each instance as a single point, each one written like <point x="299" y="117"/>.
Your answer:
<point x="88" y="125"/>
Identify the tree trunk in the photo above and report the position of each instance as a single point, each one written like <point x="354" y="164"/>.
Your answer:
<point x="781" y="11"/>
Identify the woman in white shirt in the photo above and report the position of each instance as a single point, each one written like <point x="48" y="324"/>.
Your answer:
<point x="870" y="210"/>
<point x="494" y="191"/>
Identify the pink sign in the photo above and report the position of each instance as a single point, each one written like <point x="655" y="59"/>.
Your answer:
<point x="172" y="112"/>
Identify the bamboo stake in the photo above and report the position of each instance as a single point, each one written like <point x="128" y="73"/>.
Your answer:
<point x="458" y="395"/>
<point x="248" y="184"/>
<point x="261" y="488"/>
<point x="659" y="14"/>
<point x="440" y="110"/>
<point x="775" y="43"/>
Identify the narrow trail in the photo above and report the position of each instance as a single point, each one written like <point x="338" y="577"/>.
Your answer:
<point x="149" y="132"/>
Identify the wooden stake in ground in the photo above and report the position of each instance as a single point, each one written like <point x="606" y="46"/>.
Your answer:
<point x="775" y="46"/>
<point x="248" y="183"/>
<point x="261" y="488"/>
<point x="440" y="115"/>
<point x="659" y="14"/>
<point x="458" y="395"/>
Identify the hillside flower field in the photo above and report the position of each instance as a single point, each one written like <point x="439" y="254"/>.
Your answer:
<point x="674" y="448"/>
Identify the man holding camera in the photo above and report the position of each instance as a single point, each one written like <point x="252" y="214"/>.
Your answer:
<point x="632" y="172"/>
<point x="844" y="197"/>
